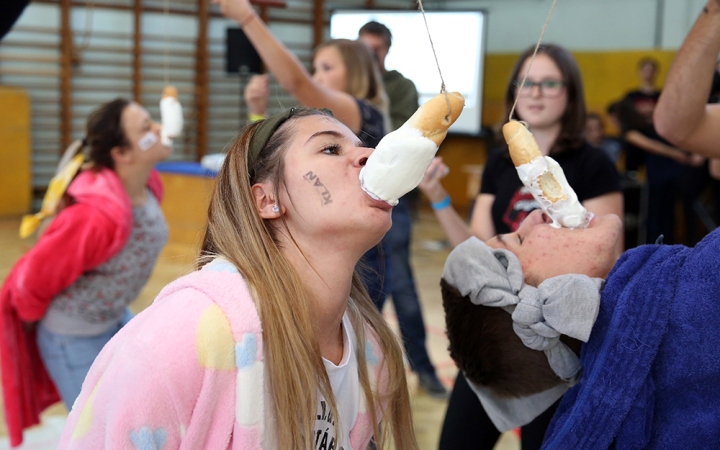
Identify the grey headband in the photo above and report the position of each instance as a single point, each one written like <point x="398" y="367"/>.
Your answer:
<point x="265" y="131"/>
<point x="566" y="304"/>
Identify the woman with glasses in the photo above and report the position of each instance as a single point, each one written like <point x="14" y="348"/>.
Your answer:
<point x="552" y="103"/>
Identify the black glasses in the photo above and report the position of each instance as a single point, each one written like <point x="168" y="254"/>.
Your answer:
<point x="548" y="88"/>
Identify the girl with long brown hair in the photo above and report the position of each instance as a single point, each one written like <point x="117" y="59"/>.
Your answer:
<point x="345" y="77"/>
<point x="552" y="102"/>
<point x="273" y="342"/>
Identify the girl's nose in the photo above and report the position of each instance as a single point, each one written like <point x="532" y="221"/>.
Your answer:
<point x="362" y="157"/>
<point x="536" y="91"/>
<point x="536" y="217"/>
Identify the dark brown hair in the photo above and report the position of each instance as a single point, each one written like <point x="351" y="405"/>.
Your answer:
<point x="377" y="29"/>
<point x="105" y="132"/>
<point x="573" y="121"/>
<point x="485" y="347"/>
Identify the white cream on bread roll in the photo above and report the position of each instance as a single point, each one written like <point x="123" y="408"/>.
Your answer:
<point x="400" y="159"/>
<point x="545" y="179"/>
<point x="171" y="116"/>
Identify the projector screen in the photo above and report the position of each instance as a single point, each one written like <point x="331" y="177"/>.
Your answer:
<point x="459" y="41"/>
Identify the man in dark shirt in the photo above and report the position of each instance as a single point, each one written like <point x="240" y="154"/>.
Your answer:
<point x="401" y="91"/>
<point x="667" y="166"/>
<point x="403" y="98"/>
<point x="641" y="104"/>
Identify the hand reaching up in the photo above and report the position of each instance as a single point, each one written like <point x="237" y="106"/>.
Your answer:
<point x="256" y="94"/>
<point x="430" y="184"/>
<point x="238" y="10"/>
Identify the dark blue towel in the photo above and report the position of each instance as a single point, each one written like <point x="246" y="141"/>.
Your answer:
<point x="651" y="369"/>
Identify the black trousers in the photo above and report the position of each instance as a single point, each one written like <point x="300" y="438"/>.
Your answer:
<point x="467" y="426"/>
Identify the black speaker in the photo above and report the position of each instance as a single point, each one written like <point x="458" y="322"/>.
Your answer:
<point x="240" y="56"/>
<point x="10" y="11"/>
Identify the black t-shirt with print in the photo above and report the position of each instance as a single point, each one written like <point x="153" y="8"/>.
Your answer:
<point x="644" y="103"/>
<point x="588" y="170"/>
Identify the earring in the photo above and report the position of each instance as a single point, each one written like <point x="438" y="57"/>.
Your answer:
<point x="276" y="208"/>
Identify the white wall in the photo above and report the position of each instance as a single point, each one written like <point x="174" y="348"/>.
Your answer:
<point x="590" y="25"/>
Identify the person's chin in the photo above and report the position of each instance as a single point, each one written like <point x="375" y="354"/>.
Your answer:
<point x="614" y="222"/>
<point x="606" y="220"/>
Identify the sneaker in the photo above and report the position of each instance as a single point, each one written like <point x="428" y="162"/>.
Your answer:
<point x="430" y="383"/>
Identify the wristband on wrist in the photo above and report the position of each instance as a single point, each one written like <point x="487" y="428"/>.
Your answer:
<point x="247" y="20"/>
<point x="442" y="204"/>
<point x="256" y="117"/>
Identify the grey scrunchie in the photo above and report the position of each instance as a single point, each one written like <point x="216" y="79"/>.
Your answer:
<point x="567" y="304"/>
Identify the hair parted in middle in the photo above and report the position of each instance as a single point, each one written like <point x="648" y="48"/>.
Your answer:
<point x="573" y="120"/>
<point x="364" y="80"/>
<point x="294" y="365"/>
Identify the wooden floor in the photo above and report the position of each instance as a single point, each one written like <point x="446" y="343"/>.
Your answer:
<point x="428" y="257"/>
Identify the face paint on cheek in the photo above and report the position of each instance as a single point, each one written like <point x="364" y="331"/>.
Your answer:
<point x="148" y="140"/>
<point x="310" y="177"/>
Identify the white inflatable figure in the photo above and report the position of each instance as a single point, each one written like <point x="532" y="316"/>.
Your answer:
<point x="545" y="179"/>
<point x="400" y="159"/>
<point x="171" y="116"/>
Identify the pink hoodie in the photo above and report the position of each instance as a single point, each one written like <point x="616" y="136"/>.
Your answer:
<point x="187" y="373"/>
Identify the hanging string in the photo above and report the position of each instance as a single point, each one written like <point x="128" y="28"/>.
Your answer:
<point x="517" y="95"/>
<point x="443" y="90"/>
<point x="166" y="12"/>
<point x="87" y="34"/>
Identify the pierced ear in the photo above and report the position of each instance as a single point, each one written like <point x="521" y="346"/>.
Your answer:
<point x="265" y="202"/>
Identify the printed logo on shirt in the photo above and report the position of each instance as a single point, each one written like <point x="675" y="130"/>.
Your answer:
<point x="645" y="106"/>
<point x="520" y="206"/>
<point x="325" y="438"/>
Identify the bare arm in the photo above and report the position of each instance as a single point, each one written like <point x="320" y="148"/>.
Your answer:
<point x="715" y="168"/>
<point x="454" y="226"/>
<point x="481" y="223"/>
<point x="256" y="94"/>
<point x="612" y="203"/>
<point x="659" y="148"/>
<point x="287" y="68"/>
<point x="682" y="115"/>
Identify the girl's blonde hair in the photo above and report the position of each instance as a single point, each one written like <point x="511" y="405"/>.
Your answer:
<point x="364" y="80"/>
<point x="293" y="362"/>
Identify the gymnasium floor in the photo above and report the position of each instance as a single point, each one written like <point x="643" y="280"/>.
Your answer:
<point x="428" y="257"/>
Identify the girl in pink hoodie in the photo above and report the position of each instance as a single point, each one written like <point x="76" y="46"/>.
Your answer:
<point x="273" y="342"/>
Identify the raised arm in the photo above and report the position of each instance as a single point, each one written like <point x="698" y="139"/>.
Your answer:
<point x="455" y="228"/>
<point x="715" y="168"/>
<point x="287" y="68"/>
<point x="682" y="115"/>
<point x="256" y="95"/>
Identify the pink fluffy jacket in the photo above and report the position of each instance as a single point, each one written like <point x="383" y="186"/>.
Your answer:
<point x="187" y="373"/>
